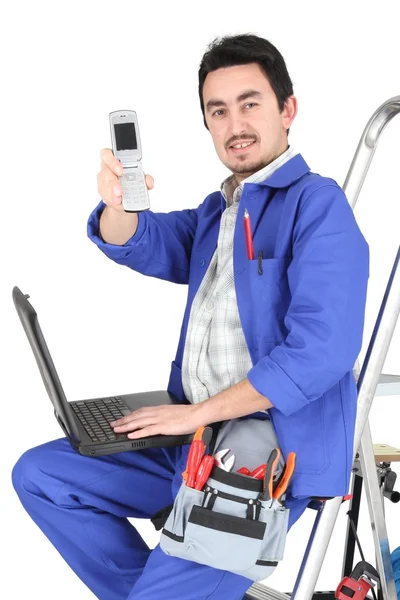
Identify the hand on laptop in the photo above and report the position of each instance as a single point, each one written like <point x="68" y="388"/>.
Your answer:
<point x="160" y="420"/>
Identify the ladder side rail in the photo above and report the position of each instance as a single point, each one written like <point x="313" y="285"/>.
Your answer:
<point x="366" y="148"/>
<point x="377" y="517"/>
<point x="363" y="157"/>
<point x="377" y="350"/>
<point x="376" y="354"/>
<point x="356" y="485"/>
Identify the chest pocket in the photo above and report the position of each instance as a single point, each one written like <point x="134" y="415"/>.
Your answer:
<point x="269" y="291"/>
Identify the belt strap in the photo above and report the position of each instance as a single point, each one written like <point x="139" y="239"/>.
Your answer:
<point x="159" y="518"/>
<point x="215" y="427"/>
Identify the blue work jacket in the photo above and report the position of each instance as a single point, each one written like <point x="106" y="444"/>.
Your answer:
<point x="302" y="313"/>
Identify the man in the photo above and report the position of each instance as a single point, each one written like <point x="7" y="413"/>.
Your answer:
<point x="272" y="339"/>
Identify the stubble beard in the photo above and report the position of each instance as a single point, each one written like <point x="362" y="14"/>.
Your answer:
<point x="246" y="166"/>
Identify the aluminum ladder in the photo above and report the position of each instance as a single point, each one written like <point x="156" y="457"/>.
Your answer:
<point x="370" y="383"/>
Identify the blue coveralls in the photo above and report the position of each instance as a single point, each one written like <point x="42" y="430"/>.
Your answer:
<point x="303" y="321"/>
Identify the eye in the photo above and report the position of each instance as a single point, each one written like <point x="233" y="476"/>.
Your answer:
<point x="251" y="104"/>
<point x="217" y="111"/>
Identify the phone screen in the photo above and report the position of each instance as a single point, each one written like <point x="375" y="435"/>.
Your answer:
<point x="125" y="136"/>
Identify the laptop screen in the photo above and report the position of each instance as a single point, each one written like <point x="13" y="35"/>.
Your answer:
<point x="30" y="323"/>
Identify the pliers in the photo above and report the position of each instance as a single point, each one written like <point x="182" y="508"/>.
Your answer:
<point x="268" y="481"/>
<point x="287" y="476"/>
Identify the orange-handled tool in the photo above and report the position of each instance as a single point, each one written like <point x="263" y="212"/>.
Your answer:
<point x="197" y="436"/>
<point x="197" y="448"/>
<point x="287" y="476"/>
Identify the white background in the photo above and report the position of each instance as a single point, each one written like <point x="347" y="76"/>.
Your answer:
<point x="65" y="66"/>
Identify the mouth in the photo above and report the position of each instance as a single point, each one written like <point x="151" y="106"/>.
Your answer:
<point x="242" y="147"/>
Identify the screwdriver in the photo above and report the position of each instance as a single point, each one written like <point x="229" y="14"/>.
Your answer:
<point x="259" y="472"/>
<point x="204" y="471"/>
<point x="243" y="471"/>
<point x="197" y="448"/>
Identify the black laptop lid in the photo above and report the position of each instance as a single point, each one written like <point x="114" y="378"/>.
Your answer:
<point x="30" y="323"/>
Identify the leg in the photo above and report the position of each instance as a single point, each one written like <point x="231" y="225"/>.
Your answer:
<point x="169" y="578"/>
<point x="82" y="503"/>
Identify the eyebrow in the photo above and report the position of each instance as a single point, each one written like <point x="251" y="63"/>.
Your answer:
<point x="247" y="94"/>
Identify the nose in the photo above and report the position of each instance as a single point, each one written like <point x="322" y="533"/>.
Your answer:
<point x="238" y="128"/>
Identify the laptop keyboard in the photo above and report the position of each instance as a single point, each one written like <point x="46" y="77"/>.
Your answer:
<point x="95" y="416"/>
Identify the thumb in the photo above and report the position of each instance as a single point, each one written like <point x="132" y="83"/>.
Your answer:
<point x="149" y="182"/>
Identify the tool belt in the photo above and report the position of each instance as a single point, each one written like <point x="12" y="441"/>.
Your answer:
<point x="226" y="525"/>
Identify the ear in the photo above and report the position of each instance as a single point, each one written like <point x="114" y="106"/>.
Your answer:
<point x="289" y="111"/>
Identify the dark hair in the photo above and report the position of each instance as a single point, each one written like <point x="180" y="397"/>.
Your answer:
<point x="243" y="49"/>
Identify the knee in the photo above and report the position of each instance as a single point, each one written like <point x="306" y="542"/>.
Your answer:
<point x="29" y="473"/>
<point x="24" y="471"/>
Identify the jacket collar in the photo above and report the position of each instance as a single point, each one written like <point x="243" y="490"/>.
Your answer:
<point x="229" y="187"/>
<point x="288" y="173"/>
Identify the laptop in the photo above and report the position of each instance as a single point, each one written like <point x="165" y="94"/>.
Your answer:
<point x="86" y="422"/>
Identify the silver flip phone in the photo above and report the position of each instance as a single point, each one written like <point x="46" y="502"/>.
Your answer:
<point x="127" y="148"/>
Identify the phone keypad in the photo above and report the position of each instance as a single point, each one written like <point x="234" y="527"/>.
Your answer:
<point x="134" y="190"/>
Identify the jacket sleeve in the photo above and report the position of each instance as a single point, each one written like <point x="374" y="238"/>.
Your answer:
<point x="161" y="246"/>
<point x="328" y="278"/>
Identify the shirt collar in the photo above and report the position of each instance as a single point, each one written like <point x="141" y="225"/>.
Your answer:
<point x="283" y="171"/>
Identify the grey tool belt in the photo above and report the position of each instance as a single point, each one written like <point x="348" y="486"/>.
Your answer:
<point x="226" y="526"/>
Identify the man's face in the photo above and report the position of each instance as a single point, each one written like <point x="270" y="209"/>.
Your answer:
<point x="241" y="107"/>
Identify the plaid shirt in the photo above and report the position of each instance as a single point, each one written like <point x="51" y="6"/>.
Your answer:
<point x="216" y="355"/>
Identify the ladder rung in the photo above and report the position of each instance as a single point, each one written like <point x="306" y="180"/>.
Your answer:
<point x="385" y="453"/>
<point x="389" y="385"/>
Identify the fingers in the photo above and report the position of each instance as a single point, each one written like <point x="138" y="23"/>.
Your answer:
<point x="108" y="158"/>
<point x="135" y="414"/>
<point x="108" y="184"/>
<point x="136" y="424"/>
<point x="146" y="432"/>
<point x="137" y="419"/>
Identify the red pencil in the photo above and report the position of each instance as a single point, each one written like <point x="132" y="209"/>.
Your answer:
<point x="247" y="233"/>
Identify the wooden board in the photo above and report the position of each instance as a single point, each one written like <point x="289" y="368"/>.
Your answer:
<point x="385" y="453"/>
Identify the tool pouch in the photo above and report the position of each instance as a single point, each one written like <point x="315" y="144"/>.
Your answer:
<point x="226" y="526"/>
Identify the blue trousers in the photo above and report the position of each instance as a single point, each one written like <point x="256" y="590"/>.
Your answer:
<point x="82" y="503"/>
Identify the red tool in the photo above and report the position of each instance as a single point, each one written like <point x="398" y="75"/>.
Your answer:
<point x="359" y="583"/>
<point x="204" y="434"/>
<point x="248" y="236"/>
<point x="204" y="471"/>
<point x="259" y="472"/>
<point x="287" y="476"/>
<point x="243" y="471"/>
<point x="196" y="452"/>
